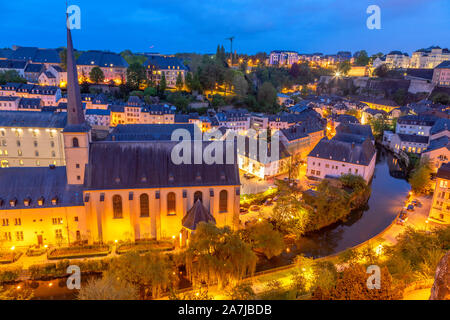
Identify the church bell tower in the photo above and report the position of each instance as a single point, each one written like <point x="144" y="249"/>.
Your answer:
<point x="76" y="133"/>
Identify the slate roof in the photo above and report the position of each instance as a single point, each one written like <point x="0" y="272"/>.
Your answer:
<point x="162" y="62"/>
<point x="34" y="68"/>
<point x="444" y="171"/>
<point x="49" y="75"/>
<point x="358" y="153"/>
<point x="357" y="129"/>
<point x="440" y="125"/>
<point x="148" y="132"/>
<point x="33" y="119"/>
<point x="12" y="64"/>
<point x="439" y="143"/>
<point x="346" y="118"/>
<point x="98" y="112"/>
<point x="420" y="73"/>
<point x="30" y="103"/>
<point x="417" y="120"/>
<point x="36" y="55"/>
<point x="198" y="213"/>
<point x="130" y="165"/>
<point x="301" y="130"/>
<point x="37" y="182"/>
<point x="374" y="112"/>
<point x="413" y="138"/>
<point x="443" y="64"/>
<point x="5" y="53"/>
<point x="101" y="59"/>
<point x="349" y="137"/>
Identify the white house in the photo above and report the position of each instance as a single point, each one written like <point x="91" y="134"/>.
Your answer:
<point x="333" y="158"/>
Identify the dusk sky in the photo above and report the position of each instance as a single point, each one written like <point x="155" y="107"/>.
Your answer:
<point x="170" y="26"/>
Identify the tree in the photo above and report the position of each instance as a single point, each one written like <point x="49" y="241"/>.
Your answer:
<point x="352" y="285"/>
<point x="16" y="293"/>
<point x="162" y="86"/>
<point x="243" y="291"/>
<point x="381" y="71"/>
<point x="265" y="239"/>
<point x="63" y="58"/>
<point x="421" y="176"/>
<point x="179" y="84"/>
<point x="441" y="98"/>
<point x="108" y="288"/>
<point x="240" y="85"/>
<point x="344" y="67"/>
<point x="189" y="81"/>
<point x="328" y="205"/>
<point x="218" y="255"/>
<point x="267" y="96"/>
<point x="362" y="59"/>
<point x="400" y="96"/>
<point x="96" y="75"/>
<point x="135" y="75"/>
<point x="151" y="271"/>
<point x="11" y="76"/>
<point x="289" y="214"/>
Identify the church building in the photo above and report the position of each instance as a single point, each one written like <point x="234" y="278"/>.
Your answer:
<point x="125" y="189"/>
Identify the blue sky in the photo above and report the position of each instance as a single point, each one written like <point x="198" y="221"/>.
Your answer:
<point x="170" y="26"/>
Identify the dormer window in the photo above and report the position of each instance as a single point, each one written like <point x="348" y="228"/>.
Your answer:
<point x="198" y="176"/>
<point x="41" y="201"/>
<point x="13" y="202"/>
<point x="27" y="202"/>
<point x="54" y="201"/>
<point x="117" y="180"/>
<point x="171" y="177"/>
<point x="144" y="179"/>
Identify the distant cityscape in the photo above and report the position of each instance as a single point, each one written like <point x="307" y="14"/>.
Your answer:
<point x="87" y="140"/>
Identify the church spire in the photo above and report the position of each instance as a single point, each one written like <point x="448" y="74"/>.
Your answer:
<point x="75" y="114"/>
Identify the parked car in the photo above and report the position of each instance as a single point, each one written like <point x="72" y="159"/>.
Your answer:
<point x="403" y="217"/>
<point x="243" y="211"/>
<point x="254" y="208"/>
<point x="410" y="207"/>
<point x="268" y="202"/>
<point x="416" y="203"/>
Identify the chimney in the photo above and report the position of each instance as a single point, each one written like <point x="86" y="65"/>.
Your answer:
<point x="353" y="145"/>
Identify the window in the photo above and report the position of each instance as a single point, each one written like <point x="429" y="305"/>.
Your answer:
<point x="19" y="235"/>
<point x="223" y="201"/>
<point x="117" y="206"/>
<point x="53" y="154"/>
<point x="57" y="220"/>
<point x="17" y="221"/>
<point x="75" y="219"/>
<point x="443" y="184"/>
<point x="58" y="234"/>
<point x="198" y="195"/>
<point x="5" y="222"/>
<point x="143" y="199"/>
<point x="78" y="235"/>
<point x="171" y="203"/>
<point x="35" y="143"/>
<point x="52" y="144"/>
<point x="75" y="143"/>
<point x="7" y="236"/>
<point x="36" y="153"/>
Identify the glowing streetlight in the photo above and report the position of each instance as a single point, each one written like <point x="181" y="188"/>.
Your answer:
<point x="337" y="74"/>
